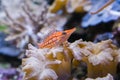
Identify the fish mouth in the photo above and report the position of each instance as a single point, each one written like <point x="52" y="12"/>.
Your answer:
<point x="70" y="31"/>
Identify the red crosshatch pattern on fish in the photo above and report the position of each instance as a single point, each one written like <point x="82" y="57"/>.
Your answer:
<point x="56" y="38"/>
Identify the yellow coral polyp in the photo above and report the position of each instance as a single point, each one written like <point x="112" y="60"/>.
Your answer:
<point x="57" y="5"/>
<point x="68" y="5"/>
<point x="101" y="58"/>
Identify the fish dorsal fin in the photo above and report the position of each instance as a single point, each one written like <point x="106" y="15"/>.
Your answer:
<point x="52" y="31"/>
<point x="49" y="34"/>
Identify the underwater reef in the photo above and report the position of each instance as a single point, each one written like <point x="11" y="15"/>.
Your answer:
<point x="59" y="39"/>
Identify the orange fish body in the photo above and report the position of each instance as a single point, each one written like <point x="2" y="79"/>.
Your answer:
<point x="56" y="38"/>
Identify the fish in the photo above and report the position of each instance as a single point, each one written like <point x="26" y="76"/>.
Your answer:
<point x="56" y="38"/>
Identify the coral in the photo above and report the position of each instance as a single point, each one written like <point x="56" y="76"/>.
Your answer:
<point x="97" y="11"/>
<point x="104" y="36"/>
<point x="101" y="58"/>
<point x="10" y="73"/>
<point x="116" y="32"/>
<point x="108" y="77"/>
<point x="97" y="56"/>
<point x="28" y="20"/>
<point x="43" y="61"/>
<point x="7" y="48"/>
<point x="57" y="5"/>
<point x="36" y="66"/>
<point x="104" y="14"/>
<point x="12" y="6"/>
<point x="78" y="5"/>
<point x="70" y="5"/>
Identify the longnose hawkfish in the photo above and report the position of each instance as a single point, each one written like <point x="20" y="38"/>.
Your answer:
<point x="56" y="38"/>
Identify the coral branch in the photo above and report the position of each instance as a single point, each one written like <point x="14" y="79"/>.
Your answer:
<point x="107" y="4"/>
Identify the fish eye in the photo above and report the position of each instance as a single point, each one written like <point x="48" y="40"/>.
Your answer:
<point x="64" y="33"/>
